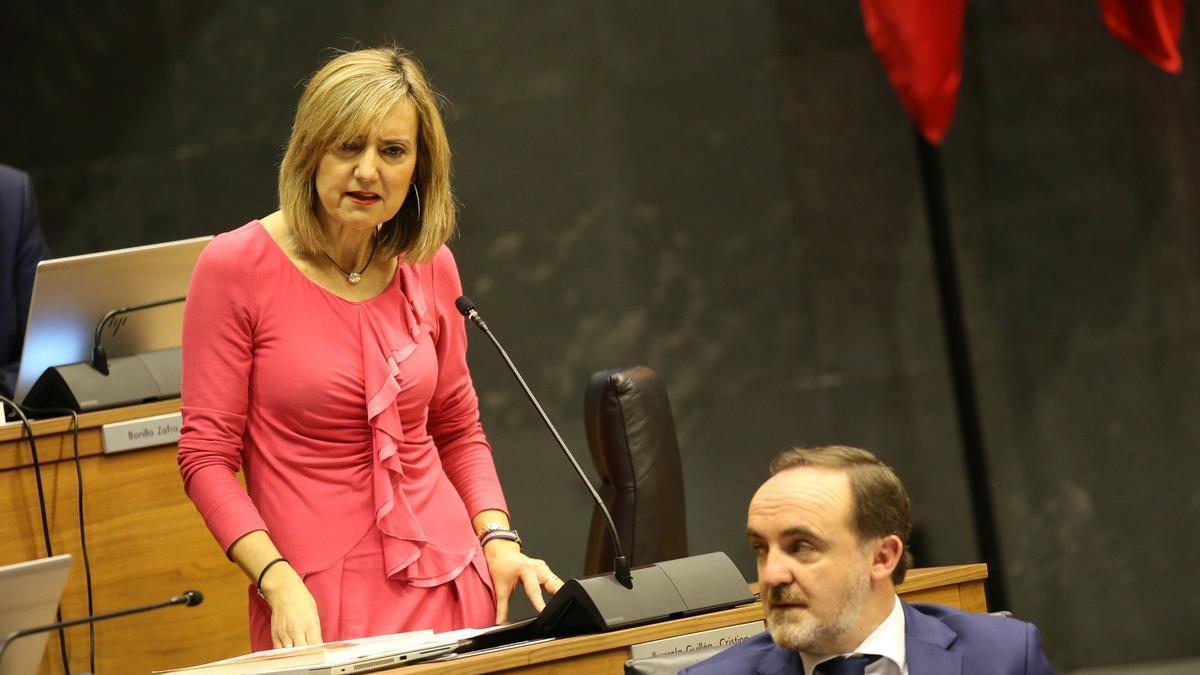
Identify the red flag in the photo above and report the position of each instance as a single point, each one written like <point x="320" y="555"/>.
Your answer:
<point x="1150" y="27"/>
<point x="919" y="43"/>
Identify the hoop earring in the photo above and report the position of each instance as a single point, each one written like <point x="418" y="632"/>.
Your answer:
<point x="417" y="194"/>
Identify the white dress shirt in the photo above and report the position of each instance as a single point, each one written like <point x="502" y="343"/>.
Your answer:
<point x="887" y="640"/>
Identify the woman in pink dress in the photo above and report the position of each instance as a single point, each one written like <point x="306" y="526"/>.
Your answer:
<point x="324" y="358"/>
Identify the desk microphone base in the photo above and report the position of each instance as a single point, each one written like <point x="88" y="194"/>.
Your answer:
<point x="663" y="591"/>
<point x="140" y="378"/>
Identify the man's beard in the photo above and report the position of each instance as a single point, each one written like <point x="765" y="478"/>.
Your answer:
<point x="817" y="635"/>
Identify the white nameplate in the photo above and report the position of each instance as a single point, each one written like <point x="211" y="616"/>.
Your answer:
<point x="141" y="433"/>
<point x="717" y="638"/>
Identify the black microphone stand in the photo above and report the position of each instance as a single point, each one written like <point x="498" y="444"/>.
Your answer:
<point x="187" y="599"/>
<point x="620" y="563"/>
<point x="99" y="357"/>
<point x="603" y="602"/>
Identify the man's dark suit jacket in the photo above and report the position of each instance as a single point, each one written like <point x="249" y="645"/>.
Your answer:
<point x="21" y="248"/>
<point x="938" y="641"/>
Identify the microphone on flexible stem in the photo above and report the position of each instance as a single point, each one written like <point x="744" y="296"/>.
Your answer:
<point x="99" y="356"/>
<point x="187" y="599"/>
<point x="604" y="602"/>
<point x="620" y="563"/>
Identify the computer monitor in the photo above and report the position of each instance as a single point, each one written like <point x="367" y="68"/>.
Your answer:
<point x="71" y="295"/>
<point x="29" y="594"/>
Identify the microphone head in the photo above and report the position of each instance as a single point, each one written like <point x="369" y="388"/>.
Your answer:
<point x="99" y="358"/>
<point x="464" y="305"/>
<point x="193" y="598"/>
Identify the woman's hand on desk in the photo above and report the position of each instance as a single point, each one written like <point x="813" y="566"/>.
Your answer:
<point x="294" y="619"/>
<point x="508" y="567"/>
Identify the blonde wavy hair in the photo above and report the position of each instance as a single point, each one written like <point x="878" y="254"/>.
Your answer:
<point x="343" y="100"/>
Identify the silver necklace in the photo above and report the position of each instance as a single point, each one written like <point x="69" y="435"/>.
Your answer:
<point x="354" y="277"/>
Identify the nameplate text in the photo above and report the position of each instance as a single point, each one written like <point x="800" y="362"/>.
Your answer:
<point x="717" y="638"/>
<point x="145" y="432"/>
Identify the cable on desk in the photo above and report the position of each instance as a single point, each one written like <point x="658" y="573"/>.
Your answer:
<point x="37" y="473"/>
<point x="83" y="547"/>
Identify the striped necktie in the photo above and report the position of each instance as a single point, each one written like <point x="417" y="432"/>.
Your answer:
<point x="846" y="665"/>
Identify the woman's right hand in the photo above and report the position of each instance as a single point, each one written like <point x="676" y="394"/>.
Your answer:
<point x="294" y="619"/>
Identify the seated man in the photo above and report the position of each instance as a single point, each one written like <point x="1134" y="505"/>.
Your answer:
<point x="829" y="531"/>
<point x="21" y="248"/>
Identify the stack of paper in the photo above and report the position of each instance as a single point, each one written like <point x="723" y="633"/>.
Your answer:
<point x="349" y="656"/>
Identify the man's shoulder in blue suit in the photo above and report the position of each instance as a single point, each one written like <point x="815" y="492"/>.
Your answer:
<point x="937" y="636"/>
<point x="21" y="247"/>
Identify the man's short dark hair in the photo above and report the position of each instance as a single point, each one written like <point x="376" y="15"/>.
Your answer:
<point x="881" y="505"/>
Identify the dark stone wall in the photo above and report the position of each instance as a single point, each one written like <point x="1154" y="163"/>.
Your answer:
<point x="728" y="192"/>
<point x="1072" y="174"/>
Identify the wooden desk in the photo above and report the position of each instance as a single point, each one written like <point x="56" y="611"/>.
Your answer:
<point x="146" y="542"/>
<point x="605" y="653"/>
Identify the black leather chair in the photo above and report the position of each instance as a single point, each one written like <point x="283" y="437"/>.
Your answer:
<point x="631" y="433"/>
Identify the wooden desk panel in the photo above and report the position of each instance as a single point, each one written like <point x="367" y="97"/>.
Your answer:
<point x="146" y="541"/>
<point x="54" y="435"/>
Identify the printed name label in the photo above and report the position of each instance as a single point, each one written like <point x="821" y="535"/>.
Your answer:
<point x="141" y="433"/>
<point x="717" y="638"/>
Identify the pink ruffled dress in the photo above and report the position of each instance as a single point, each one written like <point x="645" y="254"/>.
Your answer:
<point x="357" y="429"/>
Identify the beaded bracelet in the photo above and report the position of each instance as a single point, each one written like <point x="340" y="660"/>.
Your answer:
<point x="507" y="535"/>
<point x="258" y="584"/>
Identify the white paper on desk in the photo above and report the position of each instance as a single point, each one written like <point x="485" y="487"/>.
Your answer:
<point x="469" y="645"/>
<point x="325" y="654"/>
<point x="468" y="633"/>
